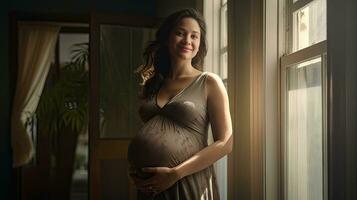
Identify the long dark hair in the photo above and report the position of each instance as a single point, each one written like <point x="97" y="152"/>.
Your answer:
<point x="156" y="55"/>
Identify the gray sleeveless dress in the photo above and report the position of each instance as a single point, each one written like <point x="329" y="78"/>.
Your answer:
<point x="171" y="135"/>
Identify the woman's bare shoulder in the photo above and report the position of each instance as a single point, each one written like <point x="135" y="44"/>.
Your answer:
<point x="214" y="84"/>
<point x="213" y="79"/>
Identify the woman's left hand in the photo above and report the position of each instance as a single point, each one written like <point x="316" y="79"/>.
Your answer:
<point x="162" y="179"/>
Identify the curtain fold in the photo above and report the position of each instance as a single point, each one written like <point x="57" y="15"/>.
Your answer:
<point x="35" y="53"/>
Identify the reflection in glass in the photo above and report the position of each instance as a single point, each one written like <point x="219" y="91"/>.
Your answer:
<point x="120" y="54"/>
<point x="304" y="157"/>
<point x="309" y="24"/>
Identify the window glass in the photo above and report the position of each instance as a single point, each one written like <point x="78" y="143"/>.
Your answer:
<point x="224" y="65"/>
<point x="224" y="26"/>
<point x="304" y="140"/>
<point x="309" y="25"/>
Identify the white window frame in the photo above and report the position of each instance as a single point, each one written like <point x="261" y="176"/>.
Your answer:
<point x="223" y="48"/>
<point x="287" y="60"/>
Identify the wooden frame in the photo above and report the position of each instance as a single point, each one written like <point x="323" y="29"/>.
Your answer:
<point x="98" y="148"/>
<point x="246" y="166"/>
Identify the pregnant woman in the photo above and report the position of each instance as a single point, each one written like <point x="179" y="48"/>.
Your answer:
<point x="169" y="157"/>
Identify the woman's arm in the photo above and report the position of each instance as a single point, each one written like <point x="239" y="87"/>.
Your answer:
<point x="220" y="119"/>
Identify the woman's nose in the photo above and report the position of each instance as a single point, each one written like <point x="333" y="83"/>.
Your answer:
<point x="187" y="40"/>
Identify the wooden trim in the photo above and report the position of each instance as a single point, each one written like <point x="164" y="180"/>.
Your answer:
<point x="93" y="128"/>
<point x="231" y="88"/>
<point x="245" y="89"/>
<point x="257" y="101"/>
<point x="51" y="17"/>
<point x="71" y="29"/>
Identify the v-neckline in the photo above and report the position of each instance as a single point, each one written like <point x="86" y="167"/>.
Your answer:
<point x="180" y="92"/>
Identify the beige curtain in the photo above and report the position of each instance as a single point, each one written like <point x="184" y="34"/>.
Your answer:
<point x="36" y="48"/>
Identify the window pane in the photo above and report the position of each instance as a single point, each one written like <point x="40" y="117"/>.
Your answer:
<point x="224" y="26"/>
<point x="304" y="156"/>
<point x="66" y="45"/>
<point x="309" y="24"/>
<point x="120" y="54"/>
<point x="224" y="65"/>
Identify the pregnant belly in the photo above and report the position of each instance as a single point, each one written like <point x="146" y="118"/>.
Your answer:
<point x="162" y="145"/>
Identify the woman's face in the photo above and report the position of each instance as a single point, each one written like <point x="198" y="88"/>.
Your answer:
<point x="184" y="40"/>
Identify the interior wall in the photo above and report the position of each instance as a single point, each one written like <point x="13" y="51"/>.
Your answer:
<point x="143" y="7"/>
<point x="5" y="158"/>
<point x="166" y="7"/>
<point x="342" y="102"/>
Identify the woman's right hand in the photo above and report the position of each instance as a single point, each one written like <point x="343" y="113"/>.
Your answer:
<point x="136" y="180"/>
<point x="133" y="175"/>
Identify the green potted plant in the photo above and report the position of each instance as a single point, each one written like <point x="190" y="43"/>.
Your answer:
<point x="63" y="114"/>
<point x="65" y="104"/>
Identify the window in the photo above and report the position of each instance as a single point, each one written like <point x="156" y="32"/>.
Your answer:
<point x="215" y="13"/>
<point x="70" y="42"/>
<point x="308" y="23"/>
<point x="303" y="70"/>
<point x="65" y="80"/>
<point x="223" y="42"/>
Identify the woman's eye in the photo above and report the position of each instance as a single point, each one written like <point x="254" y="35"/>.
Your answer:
<point x="179" y="33"/>
<point x="194" y="37"/>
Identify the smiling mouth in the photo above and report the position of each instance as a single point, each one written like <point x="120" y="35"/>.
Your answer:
<point x="185" y="49"/>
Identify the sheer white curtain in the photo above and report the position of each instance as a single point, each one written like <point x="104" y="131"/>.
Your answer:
<point x="35" y="51"/>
